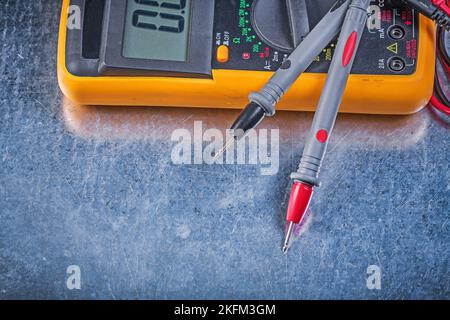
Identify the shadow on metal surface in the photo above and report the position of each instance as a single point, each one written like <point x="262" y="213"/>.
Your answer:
<point x="158" y="123"/>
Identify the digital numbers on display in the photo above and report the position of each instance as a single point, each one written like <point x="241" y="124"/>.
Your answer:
<point x="142" y="18"/>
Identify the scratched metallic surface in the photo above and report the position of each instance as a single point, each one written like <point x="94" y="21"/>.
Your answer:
<point x="95" y="187"/>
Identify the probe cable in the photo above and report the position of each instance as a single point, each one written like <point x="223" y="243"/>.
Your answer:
<point x="439" y="99"/>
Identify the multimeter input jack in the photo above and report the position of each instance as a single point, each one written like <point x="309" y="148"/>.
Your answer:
<point x="397" y="64"/>
<point x="396" y="32"/>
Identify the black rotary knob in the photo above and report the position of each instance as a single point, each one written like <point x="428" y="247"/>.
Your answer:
<point x="282" y="24"/>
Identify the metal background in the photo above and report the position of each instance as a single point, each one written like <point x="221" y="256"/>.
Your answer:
<point x="95" y="187"/>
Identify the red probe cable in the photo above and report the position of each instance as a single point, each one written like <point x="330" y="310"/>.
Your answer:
<point x="439" y="105"/>
<point x="442" y="4"/>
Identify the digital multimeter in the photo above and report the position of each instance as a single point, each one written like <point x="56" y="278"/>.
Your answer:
<point x="213" y="53"/>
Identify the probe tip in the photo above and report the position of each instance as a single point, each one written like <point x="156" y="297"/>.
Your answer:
<point x="288" y="237"/>
<point x="227" y="145"/>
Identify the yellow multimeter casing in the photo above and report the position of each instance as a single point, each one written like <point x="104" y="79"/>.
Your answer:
<point x="370" y="94"/>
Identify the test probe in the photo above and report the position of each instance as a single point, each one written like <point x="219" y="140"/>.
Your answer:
<point x="263" y="103"/>
<point x="307" y="175"/>
<point x="352" y="16"/>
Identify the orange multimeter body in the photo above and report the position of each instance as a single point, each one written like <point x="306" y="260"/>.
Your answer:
<point x="223" y="65"/>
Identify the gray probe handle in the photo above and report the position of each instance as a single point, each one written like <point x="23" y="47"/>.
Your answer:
<point x="331" y="98"/>
<point x="301" y="58"/>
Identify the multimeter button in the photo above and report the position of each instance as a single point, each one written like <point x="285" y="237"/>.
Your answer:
<point x="223" y="54"/>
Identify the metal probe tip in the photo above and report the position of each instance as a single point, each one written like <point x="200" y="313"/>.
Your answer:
<point x="227" y="145"/>
<point x="288" y="237"/>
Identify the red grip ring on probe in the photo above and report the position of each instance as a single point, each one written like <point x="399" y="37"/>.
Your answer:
<point x="299" y="201"/>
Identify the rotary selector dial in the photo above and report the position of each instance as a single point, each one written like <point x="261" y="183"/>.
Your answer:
<point x="281" y="24"/>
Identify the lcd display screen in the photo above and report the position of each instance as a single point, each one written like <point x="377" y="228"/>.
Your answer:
<point x="157" y="30"/>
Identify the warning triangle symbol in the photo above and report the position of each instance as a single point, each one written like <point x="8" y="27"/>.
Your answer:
<point x="393" y="48"/>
